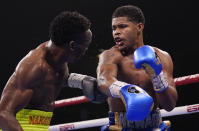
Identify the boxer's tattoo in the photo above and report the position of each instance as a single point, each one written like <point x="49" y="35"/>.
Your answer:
<point x="101" y="80"/>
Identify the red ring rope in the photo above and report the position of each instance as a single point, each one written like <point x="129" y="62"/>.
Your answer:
<point x="82" y="99"/>
<point x="186" y="80"/>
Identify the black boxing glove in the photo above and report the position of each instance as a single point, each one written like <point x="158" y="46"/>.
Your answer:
<point x="89" y="86"/>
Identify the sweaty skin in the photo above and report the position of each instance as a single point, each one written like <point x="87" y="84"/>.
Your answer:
<point x="38" y="79"/>
<point x="117" y="64"/>
<point x="34" y="84"/>
<point x="37" y="82"/>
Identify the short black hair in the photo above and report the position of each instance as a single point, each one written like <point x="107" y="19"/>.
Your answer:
<point x="133" y="13"/>
<point x="65" y="26"/>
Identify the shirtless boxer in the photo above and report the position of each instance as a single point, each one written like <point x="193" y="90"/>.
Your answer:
<point x="27" y="101"/>
<point x="137" y="78"/>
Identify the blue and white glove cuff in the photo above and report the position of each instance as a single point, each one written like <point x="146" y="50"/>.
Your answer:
<point x="115" y="87"/>
<point x="160" y="82"/>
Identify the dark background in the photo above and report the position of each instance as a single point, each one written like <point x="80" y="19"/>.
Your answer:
<point x="170" y="25"/>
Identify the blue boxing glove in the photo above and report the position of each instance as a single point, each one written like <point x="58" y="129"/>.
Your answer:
<point x="145" y="57"/>
<point x="137" y="102"/>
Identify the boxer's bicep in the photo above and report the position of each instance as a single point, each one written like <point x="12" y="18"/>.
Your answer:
<point x="14" y="96"/>
<point x="106" y="71"/>
<point x="20" y="87"/>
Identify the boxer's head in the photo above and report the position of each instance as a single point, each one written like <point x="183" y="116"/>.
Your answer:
<point x="71" y="30"/>
<point x="127" y="26"/>
<point x="132" y="13"/>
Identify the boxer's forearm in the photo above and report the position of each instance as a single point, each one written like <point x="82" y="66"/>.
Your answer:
<point x="8" y="122"/>
<point x="167" y="99"/>
<point x="104" y="82"/>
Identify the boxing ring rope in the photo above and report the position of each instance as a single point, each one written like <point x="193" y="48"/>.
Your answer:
<point x="186" y="80"/>
<point x="71" y="101"/>
<point x="82" y="99"/>
<point x="189" y="109"/>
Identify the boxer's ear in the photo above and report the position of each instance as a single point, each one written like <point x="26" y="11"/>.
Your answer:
<point x="72" y="45"/>
<point x="140" y="27"/>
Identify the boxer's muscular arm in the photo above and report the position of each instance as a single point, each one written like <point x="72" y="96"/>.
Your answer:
<point x="107" y="70"/>
<point x="17" y="94"/>
<point x="136" y="109"/>
<point x="167" y="99"/>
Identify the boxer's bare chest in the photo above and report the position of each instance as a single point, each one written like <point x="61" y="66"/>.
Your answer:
<point x="128" y="73"/>
<point x="49" y="88"/>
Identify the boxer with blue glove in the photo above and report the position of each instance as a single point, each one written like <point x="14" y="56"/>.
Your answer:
<point x="145" y="57"/>
<point x="137" y="102"/>
<point x="133" y="77"/>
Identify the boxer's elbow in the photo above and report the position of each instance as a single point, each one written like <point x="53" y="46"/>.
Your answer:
<point x="173" y="101"/>
<point x="169" y="102"/>
<point x="171" y="105"/>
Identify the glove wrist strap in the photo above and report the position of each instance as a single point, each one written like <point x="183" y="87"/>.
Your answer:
<point x="115" y="87"/>
<point x="160" y="82"/>
<point x="75" y="80"/>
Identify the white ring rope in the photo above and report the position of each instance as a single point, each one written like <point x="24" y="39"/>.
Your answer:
<point x="189" y="109"/>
